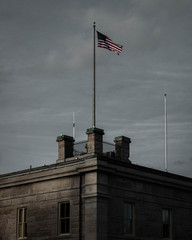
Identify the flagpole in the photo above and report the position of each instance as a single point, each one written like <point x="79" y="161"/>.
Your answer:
<point x="165" y="109"/>
<point x="94" y="103"/>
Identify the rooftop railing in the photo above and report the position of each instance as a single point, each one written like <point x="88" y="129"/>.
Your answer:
<point x="80" y="148"/>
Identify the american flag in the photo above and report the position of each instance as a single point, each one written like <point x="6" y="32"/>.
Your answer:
<point x="106" y="42"/>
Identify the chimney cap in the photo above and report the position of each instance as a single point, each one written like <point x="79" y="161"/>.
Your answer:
<point x="122" y="138"/>
<point x="96" y="130"/>
<point x="65" y="137"/>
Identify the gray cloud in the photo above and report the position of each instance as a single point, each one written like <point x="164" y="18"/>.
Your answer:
<point x="46" y="74"/>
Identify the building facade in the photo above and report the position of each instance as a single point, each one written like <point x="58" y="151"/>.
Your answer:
<point x="95" y="196"/>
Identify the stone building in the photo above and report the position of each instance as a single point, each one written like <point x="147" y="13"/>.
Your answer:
<point x="95" y="196"/>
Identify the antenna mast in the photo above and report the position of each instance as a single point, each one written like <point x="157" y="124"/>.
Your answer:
<point x="165" y="109"/>
<point x="73" y="125"/>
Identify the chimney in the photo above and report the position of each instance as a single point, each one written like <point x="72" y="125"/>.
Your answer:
<point x="65" y="147"/>
<point x="95" y="140"/>
<point x="122" y="148"/>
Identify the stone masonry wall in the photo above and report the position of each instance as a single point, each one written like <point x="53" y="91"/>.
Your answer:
<point x="41" y="200"/>
<point x="149" y="198"/>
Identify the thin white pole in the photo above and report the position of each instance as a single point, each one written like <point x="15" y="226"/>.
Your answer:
<point x="73" y="125"/>
<point x="165" y="109"/>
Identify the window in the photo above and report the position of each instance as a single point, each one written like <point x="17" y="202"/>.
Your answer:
<point x="21" y="223"/>
<point x="166" y="223"/>
<point x="128" y="218"/>
<point x="64" y="218"/>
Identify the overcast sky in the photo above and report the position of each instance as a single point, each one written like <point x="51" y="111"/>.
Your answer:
<point x="46" y="71"/>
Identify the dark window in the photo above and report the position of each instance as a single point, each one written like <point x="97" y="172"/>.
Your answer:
<point x="166" y="223"/>
<point x="21" y="223"/>
<point x="64" y="218"/>
<point x="128" y="218"/>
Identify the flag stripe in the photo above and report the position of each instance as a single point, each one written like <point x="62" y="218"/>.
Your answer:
<point x="107" y="43"/>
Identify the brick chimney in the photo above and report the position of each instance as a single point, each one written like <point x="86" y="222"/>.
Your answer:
<point x="65" y="147"/>
<point x="122" y="148"/>
<point x="95" y="140"/>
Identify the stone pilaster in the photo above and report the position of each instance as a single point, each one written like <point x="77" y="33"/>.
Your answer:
<point x="122" y="148"/>
<point x="95" y="140"/>
<point x="65" y="147"/>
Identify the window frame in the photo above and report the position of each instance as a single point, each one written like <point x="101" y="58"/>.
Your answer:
<point x="65" y="218"/>
<point x="167" y="224"/>
<point x="22" y="223"/>
<point x="131" y="219"/>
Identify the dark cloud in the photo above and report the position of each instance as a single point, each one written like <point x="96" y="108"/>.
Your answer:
<point x="46" y="75"/>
